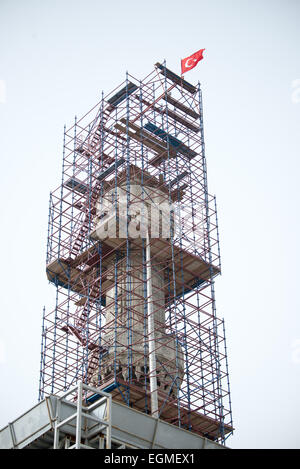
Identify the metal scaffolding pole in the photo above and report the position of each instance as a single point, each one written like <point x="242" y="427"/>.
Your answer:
<point x="151" y="333"/>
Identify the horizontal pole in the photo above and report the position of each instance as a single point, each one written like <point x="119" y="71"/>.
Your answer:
<point x="95" y="390"/>
<point x="82" y="446"/>
<point x="70" y="391"/>
<point x="67" y="420"/>
<point x="95" y="419"/>
<point x="94" y="431"/>
<point x="95" y="404"/>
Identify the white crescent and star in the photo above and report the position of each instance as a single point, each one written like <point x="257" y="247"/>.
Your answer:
<point x="187" y="63"/>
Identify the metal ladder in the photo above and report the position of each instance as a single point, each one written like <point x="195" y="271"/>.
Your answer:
<point x="90" y="207"/>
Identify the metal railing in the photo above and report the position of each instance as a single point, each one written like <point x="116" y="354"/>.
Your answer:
<point x="83" y="418"/>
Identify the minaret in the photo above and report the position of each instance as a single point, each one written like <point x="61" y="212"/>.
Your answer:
<point x="133" y="250"/>
<point x="136" y="300"/>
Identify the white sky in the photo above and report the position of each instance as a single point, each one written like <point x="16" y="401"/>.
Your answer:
<point x="55" y="59"/>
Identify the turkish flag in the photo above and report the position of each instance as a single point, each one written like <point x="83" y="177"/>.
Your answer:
<point x="190" y="62"/>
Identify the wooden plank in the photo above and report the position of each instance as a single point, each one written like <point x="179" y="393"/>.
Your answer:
<point x="122" y="94"/>
<point x="182" y="121"/>
<point x="181" y="106"/>
<point x="177" y="194"/>
<point x="62" y="272"/>
<point x="145" y="136"/>
<point x="156" y="146"/>
<point x="189" y="269"/>
<point x="176" y="78"/>
<point x="175" y="145"/>
<point x="176" y="117"/>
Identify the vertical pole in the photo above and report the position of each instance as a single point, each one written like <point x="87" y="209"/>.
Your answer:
<point x="61" y="195"/>
<point x="42" y="367"/>
<point x="108" y="418"/>
<point x="129" y="260"/>
<point x="56" y="429"/>
<point x="219" y="395"/>
<point x="152" y="357"/>
<point x="228" y="383"/>
<point x="49" y="239"/>
<point x="78" y="416"/>
<point x="144" y="241"/>
<point x="217" y="228"/>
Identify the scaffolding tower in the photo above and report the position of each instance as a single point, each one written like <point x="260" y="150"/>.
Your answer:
<point x="133" y="250"/>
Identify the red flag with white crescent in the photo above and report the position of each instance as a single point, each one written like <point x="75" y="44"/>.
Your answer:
<point x="190" y="62"/>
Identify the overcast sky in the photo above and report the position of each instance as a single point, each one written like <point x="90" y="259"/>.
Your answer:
<point x="56" y="57"/>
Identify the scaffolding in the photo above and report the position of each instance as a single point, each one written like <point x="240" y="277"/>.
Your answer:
<point x="133" y="251"/>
